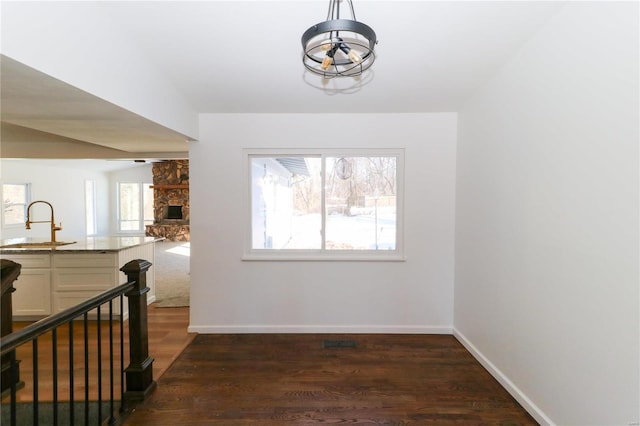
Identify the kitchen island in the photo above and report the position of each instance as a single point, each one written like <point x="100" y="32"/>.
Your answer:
<point x="53" y="279"/>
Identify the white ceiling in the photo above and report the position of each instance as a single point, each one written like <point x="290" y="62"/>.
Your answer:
<point x="245" y="56"/>
<point x="238" y="56"/>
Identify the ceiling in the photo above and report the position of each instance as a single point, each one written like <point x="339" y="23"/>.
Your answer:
<point x="245" y="57"/>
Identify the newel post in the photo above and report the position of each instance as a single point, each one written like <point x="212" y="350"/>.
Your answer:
<point x="10" y="271"/>
<point x="139" y="373"/>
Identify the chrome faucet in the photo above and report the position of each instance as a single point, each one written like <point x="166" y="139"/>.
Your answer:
<point x="54" y="228"/>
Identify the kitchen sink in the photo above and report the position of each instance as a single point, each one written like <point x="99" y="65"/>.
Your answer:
<point x="46" y="244"/>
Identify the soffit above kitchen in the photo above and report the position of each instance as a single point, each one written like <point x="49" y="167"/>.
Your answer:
<point x="37" y="107"/>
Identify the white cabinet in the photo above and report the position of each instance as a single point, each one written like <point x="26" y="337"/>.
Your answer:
<point x="79" y="276"/>
<point x="32" y="297"/>
<point x="33" y="293"/>
<point x="52" y="282"/>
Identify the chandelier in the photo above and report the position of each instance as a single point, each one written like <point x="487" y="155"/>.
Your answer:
<point x="338" y="47"/>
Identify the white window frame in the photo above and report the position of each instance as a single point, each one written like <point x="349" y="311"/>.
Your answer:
<point x="27" y="202"/>
<point x="141" y="224"/>
<point x="251" y="254"/>
<point x="90" y="205"/>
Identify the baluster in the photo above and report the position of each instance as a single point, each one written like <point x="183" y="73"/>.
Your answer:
<point x="99" y="364"/>
<point x="71" y="384"/>
<point x="54" y="347"/>
<point x="86" y="369"/>
<point x="35" y="382"/>
<point x="112" y="419"/>
<point x="122" y="354"/>
<point x="14" y="380"/>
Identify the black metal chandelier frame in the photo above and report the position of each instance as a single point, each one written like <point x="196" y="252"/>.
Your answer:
<point x="339" y="47"/>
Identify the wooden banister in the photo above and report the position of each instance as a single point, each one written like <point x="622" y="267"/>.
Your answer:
<point x="139" y="374"/>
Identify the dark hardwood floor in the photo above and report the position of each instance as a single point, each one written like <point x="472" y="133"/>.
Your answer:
<point x="273" y="379"/>
<point x="296" y="379"/>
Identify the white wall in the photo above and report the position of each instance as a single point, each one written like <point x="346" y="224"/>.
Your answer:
<point x="61" y="182"/>
<point x="547" y="219"/>
<point x="63" y="187"/>
<point x="231" y="295"/>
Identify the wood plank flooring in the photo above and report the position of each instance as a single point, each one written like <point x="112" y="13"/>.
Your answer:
<point x="273" y="379"/>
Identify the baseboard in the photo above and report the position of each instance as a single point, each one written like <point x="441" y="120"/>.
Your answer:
<point x="519" y="396"/>
<point x="320" y="329"/>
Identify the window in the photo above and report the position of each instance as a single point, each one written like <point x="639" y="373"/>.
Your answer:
<point x="135" y="206"/>
<point x="15" y="199"/>
<point x="325" y="205"/>
<point x="90" y="206"/>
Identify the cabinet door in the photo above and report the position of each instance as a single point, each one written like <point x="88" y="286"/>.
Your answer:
<point x="33" y="293"/>
<point x="83" y="279"/>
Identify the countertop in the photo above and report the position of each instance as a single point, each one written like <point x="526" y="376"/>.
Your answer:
<point x="89" y="244"/>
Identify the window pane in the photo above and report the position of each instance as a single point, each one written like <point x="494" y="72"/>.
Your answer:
<point x="130" y="206"/>
<point x="286" y="202"/>
<point x="129" y="225"/>
<point x="90" y="206"/>
<point x="147" y="195"/>
<point x="361" y="203"/>
<point x="129" y="201"/>
<point x="14" y="194"/>
<point x="14" y="215"/>
<point x="15" y="200"/>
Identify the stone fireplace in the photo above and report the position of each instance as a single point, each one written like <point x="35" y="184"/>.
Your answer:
<point x="170" y="201"/>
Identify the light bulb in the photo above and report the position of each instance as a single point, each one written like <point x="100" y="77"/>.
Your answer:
<point x="325" y="46"/>
<point x="326" y="63"/>
<point x="354" y="57"/>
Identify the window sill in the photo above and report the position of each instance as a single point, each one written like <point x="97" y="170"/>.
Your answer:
<point x="314" y="257"/>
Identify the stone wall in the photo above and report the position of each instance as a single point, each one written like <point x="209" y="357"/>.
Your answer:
<point x="170" y="188"/>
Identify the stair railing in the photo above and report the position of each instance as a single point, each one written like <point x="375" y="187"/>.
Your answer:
<point x="139" y="373"/>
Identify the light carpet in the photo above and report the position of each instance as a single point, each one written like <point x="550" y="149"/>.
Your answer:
<point x="172" y="273"/>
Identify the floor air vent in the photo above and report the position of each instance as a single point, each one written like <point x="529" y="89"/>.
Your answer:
<point x="339" y="344"/>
